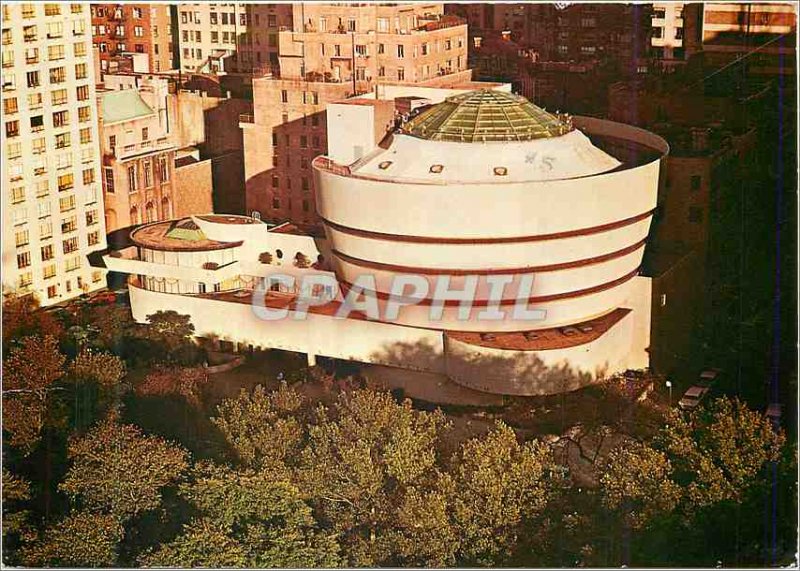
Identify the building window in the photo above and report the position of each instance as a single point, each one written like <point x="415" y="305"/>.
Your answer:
<point x="23" y="260"/>
<point x="86" y="135"/>
<point x="88" y="176"/>
<point x="275" y="181"/>
<point x="303" y="142"/>
<point x="109" y="178"/>
<point x="47" y="252"/>
<point x="66" y="203"/>
<point x="83" y="93"/>
<point x="65" y="182"/>
<point x="22" y="237"/>
<point x="58" y="96"/>
<point x="60" y="118"/>
<point x="276" y="203"/>
<point x="93" y="239"/>
<point x="12" y="128"/>
<point x="695" y="182"/>
<point x="17" y="194"/>
<point x="132" y="186"/>
<point x="58" y="75"/>
<point x="33" y="79"/>
<point x="401" y="74"/>
<point x="163" y="169"/>
<point x="80" y="71"/>
<point x="284" y="96"/>
<point x="148" y="174"/>
<point x="401" y="51"/>
<point x="84" y="114"/>
<point x="63" y="141"/>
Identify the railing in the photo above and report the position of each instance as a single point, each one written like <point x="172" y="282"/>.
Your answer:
<point x="247" y="118"/>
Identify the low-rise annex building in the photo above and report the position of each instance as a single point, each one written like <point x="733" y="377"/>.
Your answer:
<point x="478" y="188"/>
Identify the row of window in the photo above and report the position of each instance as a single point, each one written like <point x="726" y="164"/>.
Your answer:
<point x="65" y="183"/>
<point x="276" y="204"/>
<point x="306" y="185"/>
<point x="118" y="31"/>
<point x="54" y="30"/>
<point x="61" y="140"/>
<point x="116" y="13"/>
<point x="287" y="139"/>
<point x="137" y="175"/>
<point x="304" y="162"/>
<point x="227" y="19"/>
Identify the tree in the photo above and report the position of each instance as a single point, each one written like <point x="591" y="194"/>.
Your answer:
<point x="183" y="381"/>
<point x="718" y="451"/>
<point x="114" y="324"/>
<point x="29" y="375"/>
<point x="499" y="483"/>
<point x="16" y="520"/>
<point x="102" y="368"/>
<point x="167" y="337"/>
<point x="170" y="328"/>
<point x="22" y="318"/>
<point x="635" y="479"/>
<point x="82" y="539"/>
<point x="117" y="469"/>
<point x="264" y="428"/>
<point x="367" y="461"/>
<point x="252" y="520"/>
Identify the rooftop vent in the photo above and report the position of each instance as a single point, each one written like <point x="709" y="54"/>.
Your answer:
<point x="436" y="169"/>
<point x="384" y="165"/>
<point x="500" y="171"/>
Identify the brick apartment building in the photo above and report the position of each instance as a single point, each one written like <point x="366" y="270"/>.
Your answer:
<point x="332" y="52"/>
<point x="119" y="29"/>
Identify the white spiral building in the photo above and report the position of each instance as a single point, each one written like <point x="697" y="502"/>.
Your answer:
<point x="481" y="188"/>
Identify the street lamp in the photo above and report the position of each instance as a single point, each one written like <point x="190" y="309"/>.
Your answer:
<point x="669" y="386"/>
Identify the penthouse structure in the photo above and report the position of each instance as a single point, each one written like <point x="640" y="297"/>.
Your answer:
<point x="478" y="188"/>
<point x="52" y="204"/>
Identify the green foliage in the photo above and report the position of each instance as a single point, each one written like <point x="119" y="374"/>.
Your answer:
<point x="636" y="481"/>
<point x="82" y="539"/>
<point x="361" y="459"/>
<point x="499" y="483"/>
<point x="719" y="451"/>
<point x="263" y="427"/>
<point x="103" y="368"/>
<point x="203" y="543"/>
<point x="29" y="374"/>
<point x="119" y="470"/>
<point x="253" y="519"/>
<point x="16" y="521"/>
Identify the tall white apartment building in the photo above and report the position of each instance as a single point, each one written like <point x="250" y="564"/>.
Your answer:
<point x="52" y="203"/>
<point x="667" y="38"/>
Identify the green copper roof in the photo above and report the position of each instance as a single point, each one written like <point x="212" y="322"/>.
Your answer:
<point x="486" y="115"/>
<point x="186" y="230"/>
<point x="123" y="105"/>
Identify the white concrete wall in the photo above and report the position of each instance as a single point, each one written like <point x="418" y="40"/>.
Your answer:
<point x="540" y="372"/>
<point x="351" y="339"/>
<point x="351" y="131"/>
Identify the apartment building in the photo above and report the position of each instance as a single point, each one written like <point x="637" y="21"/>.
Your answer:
<point x="727" y="31"/>
<point x="138" y="156"/>
<point x="332" y="52"/>
<point x="52" y="203"/>
<point x="667" y="35"/>
<point x="118" y="29"/>
<point x="230" y="37"/>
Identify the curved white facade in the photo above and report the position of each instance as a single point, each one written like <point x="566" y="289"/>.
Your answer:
<point x="582" y="238"/>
